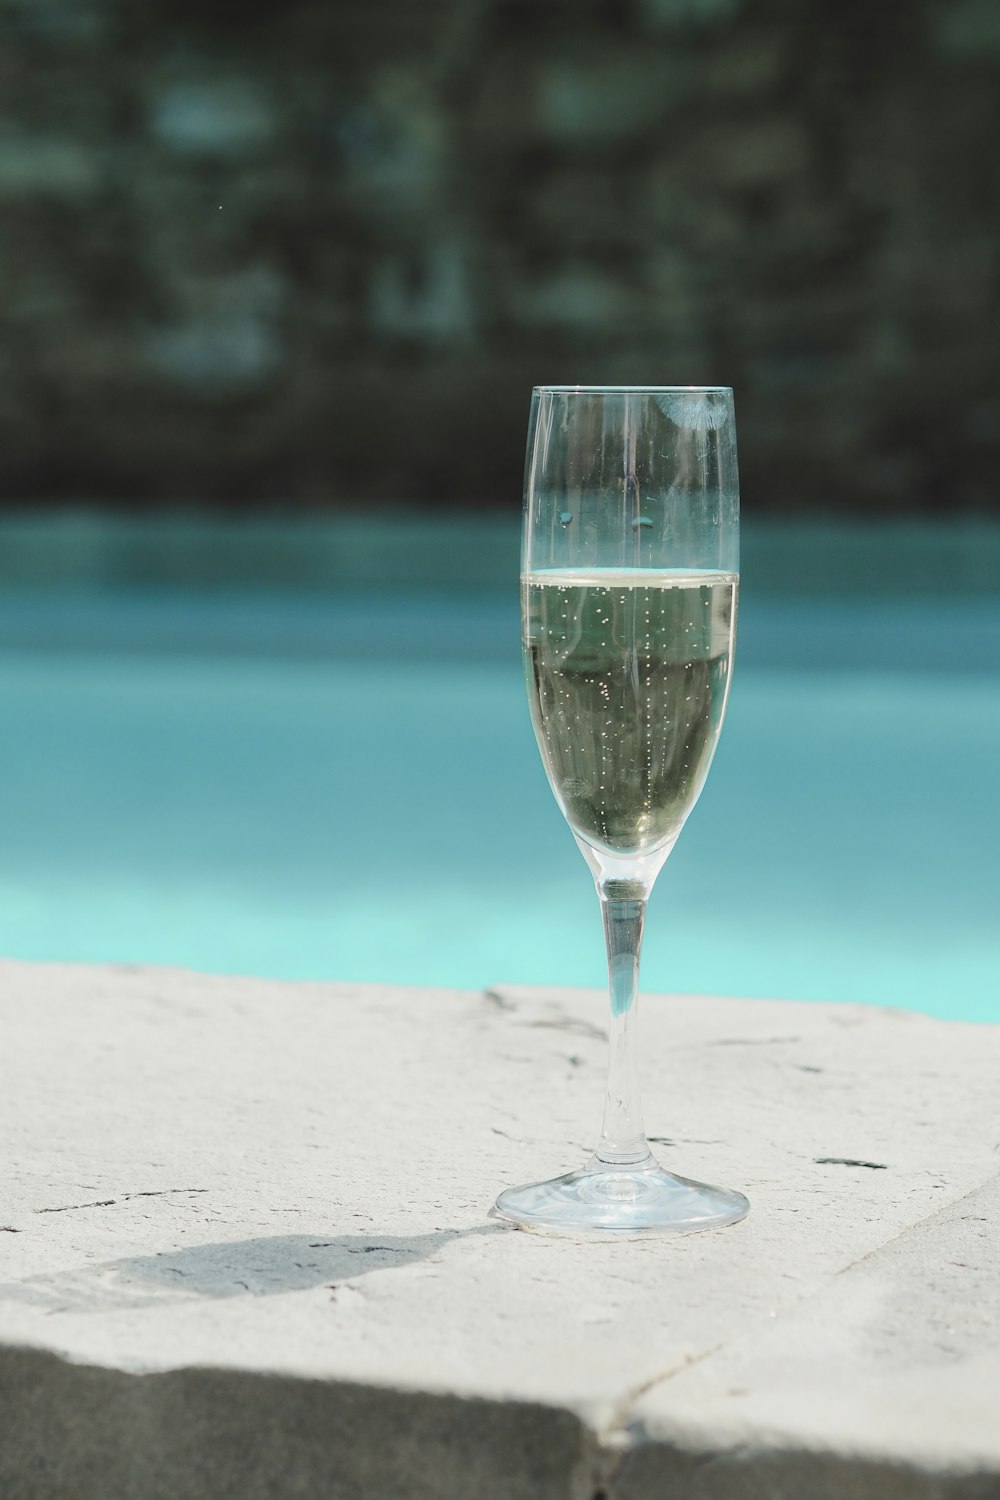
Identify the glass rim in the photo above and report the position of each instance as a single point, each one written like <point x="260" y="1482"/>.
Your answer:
<point x="633" y="390"/>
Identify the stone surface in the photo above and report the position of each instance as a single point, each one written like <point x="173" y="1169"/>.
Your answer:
<point x="245" y="1247"/>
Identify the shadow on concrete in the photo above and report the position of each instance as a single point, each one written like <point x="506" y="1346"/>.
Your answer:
<point x="283" y="1263"/>
<point x="233" y="1268"/>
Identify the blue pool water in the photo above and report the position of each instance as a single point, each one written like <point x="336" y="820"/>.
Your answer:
<point x="349" y="788"/>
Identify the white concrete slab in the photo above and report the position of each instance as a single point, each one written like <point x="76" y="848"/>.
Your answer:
<point x="245" y="1247"/>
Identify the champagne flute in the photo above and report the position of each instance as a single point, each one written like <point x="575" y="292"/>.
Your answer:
<point x="629" y="581"/>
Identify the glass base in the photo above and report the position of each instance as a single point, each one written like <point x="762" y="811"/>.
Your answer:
<point x="633" y="1199"/>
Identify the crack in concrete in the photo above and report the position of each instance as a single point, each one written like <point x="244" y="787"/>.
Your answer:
<point x="751" y="1041"/>
<point x="608" y="1444"/>
<point x="849" y="1161"/>
<point x="571" y="1024"/>
<point x="499" y="1000"/>
<point x="617" y="1424"/>
<point x="66" y="1208"/>
<point x="682" y="1140"/>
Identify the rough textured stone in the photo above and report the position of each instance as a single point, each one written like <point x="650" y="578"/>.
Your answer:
<point x="246" y="1249"/>
<point x="453" y="201"/>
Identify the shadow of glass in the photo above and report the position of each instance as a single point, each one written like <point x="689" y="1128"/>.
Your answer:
<point x="282" y="1263"/>
<point x="232" y="1268"/>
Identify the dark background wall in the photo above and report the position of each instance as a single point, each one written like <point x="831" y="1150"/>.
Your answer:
<point x="318" y="252"/>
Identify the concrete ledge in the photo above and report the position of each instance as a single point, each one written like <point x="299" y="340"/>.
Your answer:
<point x="245" y="1251"/>
<point x="80" y="1430"/>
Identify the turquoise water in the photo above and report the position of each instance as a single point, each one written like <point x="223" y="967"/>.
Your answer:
<point x="350" y="789"/>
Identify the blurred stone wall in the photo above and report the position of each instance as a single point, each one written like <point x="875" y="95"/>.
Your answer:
<point x="317" y="251"/>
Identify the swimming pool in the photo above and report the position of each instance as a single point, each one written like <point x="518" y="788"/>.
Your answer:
<point x="348" y="787"/>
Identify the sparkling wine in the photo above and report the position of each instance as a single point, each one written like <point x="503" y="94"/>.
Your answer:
<point x="628" y="674"/>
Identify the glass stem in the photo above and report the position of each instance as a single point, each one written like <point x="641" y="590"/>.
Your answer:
<point x="623" y="906"/>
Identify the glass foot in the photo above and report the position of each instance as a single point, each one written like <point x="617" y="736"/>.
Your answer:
<point x="636" y="1199"/>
